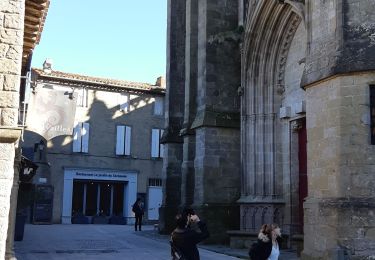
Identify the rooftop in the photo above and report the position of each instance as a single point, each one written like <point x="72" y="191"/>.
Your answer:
<point x="96" y="82"/>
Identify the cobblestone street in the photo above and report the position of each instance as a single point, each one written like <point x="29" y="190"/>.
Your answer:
<point x="96" y="242"/>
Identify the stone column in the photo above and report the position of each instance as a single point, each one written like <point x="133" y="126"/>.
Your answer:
<point x="9" y="254"/>
<point x="11" y="40"/>
<point x="339" y="221"/>
<point x="188" y="185"/>
<point x="217" y="123"/>
<point x="174" y="108"/>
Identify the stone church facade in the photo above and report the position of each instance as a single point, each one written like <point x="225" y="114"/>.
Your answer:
<point x="269" y="118"/>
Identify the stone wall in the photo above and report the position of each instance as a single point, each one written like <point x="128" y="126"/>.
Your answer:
<point x="11" y="41"/>
<point x="174" y="117"/>
<point x="339" y="208"/>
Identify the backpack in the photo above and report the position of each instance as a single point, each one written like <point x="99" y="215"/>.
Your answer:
<point x="253" y="251"/>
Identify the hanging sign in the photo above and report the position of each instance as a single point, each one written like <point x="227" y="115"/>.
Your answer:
<point x="51" y="113"/>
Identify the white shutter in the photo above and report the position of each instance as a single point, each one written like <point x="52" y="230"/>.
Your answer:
<point x="85" y="137"/>
<point x="120" y="140"/>
<point x="84" y="97"/>
<point x="158" y="106"/>
<point x="80" y="97"/>
<point x="128" y="134"/>
<point x="77" y="138"/>
<point x="155" y="143"/>
<point x="161" y="145"/>
<point x="124" y="102"/>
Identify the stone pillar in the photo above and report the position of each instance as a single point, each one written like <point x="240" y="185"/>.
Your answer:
<point x="339" y="221"/>
<point x="217" y="123"/>
<point x="191" y="52"/>
<point x="11" y="40"/>
<point x="9" y="254"/>
<point x="174" y="108"/>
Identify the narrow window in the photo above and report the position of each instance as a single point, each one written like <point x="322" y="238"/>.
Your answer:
<point x="82" y="97"/>
<point x="159" y="106"/>
<point x="157" y="149"/>
<point x="123" y="140"/>
<point x="124" y="102"/>
<point x="81" y="138"/>
<point x="372" y="112"/>
<point x="155" y="182"/>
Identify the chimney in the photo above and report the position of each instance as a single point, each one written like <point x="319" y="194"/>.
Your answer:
<point x="47" y="65"/>
<point x="160" y="82"/>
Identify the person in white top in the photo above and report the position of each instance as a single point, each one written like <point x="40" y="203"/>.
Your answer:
<point x="276" y="232"/>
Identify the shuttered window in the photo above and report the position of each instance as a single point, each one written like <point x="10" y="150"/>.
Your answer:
<point x="157" y="149"/>
<point x="372" y="113"/>
<point x="123" y="140"/>
<point x="81" y="134"/>
<point x="159" y="106"/>
<point x="124" y="101"/>
<point x="82" y="97"/>
<point x="155" y="182"/>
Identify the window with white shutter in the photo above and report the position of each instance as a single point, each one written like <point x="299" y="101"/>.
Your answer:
<point x="81" y="133"/>
<point x="123" y="140"/>
<point x="157" y="148"/>
<point x="82" y="97"/>
<point x="124" y="101"/>
<point x="158" y="106"/>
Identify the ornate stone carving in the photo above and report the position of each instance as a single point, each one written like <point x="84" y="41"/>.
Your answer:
<point x="283" y="54"/>
<point x="296" y="125"/>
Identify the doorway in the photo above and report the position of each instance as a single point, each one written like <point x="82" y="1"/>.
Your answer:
<point x="104" y="198"/>
<point x="302" y="166"/>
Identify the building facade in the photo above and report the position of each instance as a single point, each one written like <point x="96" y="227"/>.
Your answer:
<point x="112" y="155"/>
<point x="270" y="119"/>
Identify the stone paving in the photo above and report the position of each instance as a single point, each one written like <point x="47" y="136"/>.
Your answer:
<point x="104" y="242"/>
<point x="93" y="242"/>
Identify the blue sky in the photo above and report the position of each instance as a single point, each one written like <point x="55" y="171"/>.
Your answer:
<point x="119" y="39"/>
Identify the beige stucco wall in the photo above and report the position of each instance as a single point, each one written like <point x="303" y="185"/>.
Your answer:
<point x="103" y="115"/>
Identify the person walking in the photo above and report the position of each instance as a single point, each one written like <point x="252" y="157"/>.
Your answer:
<point x="184" y="240"/>
<point x="138" y="211"/>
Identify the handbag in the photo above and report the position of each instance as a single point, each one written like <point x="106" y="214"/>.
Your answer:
<point x="176" y="252"/>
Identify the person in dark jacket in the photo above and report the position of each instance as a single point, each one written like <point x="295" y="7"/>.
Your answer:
<point x="138" y="211"/>
<point x="261" y="249"/>
<point x="184" y="239"/>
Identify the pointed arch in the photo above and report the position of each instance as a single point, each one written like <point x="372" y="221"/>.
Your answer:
<point x="269" y="29"/>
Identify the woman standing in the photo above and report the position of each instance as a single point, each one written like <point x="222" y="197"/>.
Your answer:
<point x="275" y="233"/>
<point x="261" y="249"/>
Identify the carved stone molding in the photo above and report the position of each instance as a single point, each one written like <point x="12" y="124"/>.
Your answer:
<point x="9" y="134"/>
<point x="283" y="54"/>
<point x="296" y="125"/>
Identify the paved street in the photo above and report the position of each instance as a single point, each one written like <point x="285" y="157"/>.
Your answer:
<point x="96" y="242"/>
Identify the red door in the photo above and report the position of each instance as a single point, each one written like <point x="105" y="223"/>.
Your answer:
<point x="302" y="158"/>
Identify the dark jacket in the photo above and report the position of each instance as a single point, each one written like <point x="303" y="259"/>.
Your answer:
<point x="186" y="240"/>
<point x="261" y="249"/>
<point x="138" y="210"/>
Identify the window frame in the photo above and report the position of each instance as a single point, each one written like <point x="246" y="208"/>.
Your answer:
<point x="160" y="147"/>
<point x="160" y="101"/>
<point x="81" y="137"/>
<point x="126" y="137"/>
